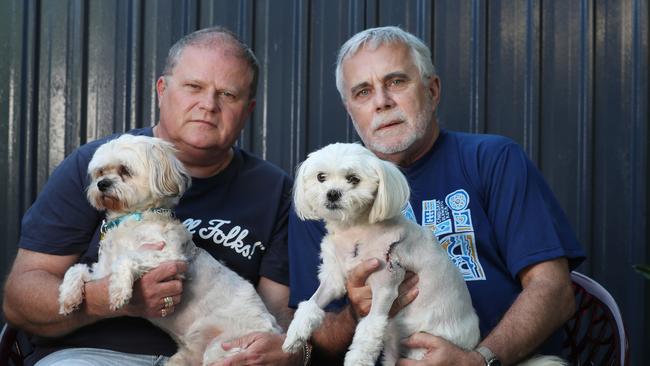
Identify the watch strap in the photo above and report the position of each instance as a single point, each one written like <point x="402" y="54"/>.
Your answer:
<point x="488" y="355"/>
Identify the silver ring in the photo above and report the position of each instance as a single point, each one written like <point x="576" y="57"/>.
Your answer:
<point x="163" y="312"/>
<point x="168" y="302"/>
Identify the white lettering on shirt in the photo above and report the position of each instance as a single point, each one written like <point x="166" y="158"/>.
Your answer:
<point x="233" y="238"/>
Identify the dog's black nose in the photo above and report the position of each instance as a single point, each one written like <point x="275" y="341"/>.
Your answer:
<point x="333" y="195"/>
<point x="104" y="184"/>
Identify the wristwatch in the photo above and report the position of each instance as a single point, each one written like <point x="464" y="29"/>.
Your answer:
<point x="489" y="356"/>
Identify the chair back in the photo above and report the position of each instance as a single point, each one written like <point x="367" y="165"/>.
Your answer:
<point x="595" y="335"/>
<point x="10" y="352"/>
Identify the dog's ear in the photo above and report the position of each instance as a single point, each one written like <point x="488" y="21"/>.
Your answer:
<point x="303" y="205"/>
<point x="168" y="175"/>
<point x="392" y="192"/>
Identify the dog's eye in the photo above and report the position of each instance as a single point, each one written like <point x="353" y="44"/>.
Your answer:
<point x="124" y="171"/>
<point x="321" y="177"/>
<point x="352" y="179"/>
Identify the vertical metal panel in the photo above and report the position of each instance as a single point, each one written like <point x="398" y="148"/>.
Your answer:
<point x="566" y="79"/>
<point x="283" y="78"/>
<point x="459" y="54"/>
<point x="326" y="117"/>
<point x="621" y="158"/>
<point x="414" y="16"/>
<point x="59" y="98"/>
<point x="513" y="65"/>
<point x="17" y="82"/>
<point x="566" y="59"/>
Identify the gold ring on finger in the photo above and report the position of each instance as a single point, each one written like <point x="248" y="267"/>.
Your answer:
<point x="168" y="302"/>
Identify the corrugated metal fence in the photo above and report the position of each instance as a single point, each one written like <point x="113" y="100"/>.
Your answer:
<point x="566" y="79"/>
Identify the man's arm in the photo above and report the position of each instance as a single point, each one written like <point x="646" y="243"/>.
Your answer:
<point x="276" y="298"/>
<point x="32" y="291"/>
<point x="546" y="302"/>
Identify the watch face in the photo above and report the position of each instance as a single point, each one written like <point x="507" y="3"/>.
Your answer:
<point x="494" y="362"/>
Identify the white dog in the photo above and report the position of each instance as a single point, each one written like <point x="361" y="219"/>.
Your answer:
<point x="138" y="180"/>
<point x="360" y="197"/>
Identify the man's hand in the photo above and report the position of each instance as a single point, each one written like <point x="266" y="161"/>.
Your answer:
<point x="148" y="292"/>
<point x="260" y="349"/>
<point x="360" y="294"/>
<point x="439" y="352"/>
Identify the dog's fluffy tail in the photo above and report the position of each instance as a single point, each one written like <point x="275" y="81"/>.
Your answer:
<point x="543" y="361"/>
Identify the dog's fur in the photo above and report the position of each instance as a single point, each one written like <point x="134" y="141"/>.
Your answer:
<point x="137" y="174"/>
<point x="360" y="197"/>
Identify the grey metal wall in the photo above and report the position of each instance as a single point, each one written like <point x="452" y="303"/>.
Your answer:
<point x="568" y="79"/>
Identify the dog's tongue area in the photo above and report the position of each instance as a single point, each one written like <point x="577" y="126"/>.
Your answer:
<point x="110" y="203"/>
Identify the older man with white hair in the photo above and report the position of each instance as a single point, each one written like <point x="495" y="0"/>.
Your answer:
<point x="482" y="197"/>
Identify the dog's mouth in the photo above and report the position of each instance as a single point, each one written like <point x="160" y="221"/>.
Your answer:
<point x="332" y="206"/>
<point x="110" y="203"/>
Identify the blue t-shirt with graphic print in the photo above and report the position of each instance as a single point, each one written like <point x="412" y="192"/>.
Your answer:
<point x="239" y="216"/>
<point x="491" y="211"/>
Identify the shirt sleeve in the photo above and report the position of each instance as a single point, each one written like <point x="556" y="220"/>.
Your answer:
<point x="275" y="263"/>
<point x="61" y="221"/>
<point x="530" y="226"/>
<point x="304" y="260"/>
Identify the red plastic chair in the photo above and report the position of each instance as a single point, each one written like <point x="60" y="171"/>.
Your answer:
<point x="596" y="334"/>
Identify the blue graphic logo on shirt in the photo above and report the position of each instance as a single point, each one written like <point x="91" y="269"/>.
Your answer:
<point x="435" y="215"/>
<point x="409" y="213"/>
<point x="461" y="249"/>
<point x="451" y="222"/>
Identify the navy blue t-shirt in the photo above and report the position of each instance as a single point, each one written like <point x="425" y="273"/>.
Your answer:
<point x="239" y="216"/>
<point x="490" y="209"/>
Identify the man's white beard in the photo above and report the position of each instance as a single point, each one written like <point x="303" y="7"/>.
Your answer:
<point x="420" y="126"/>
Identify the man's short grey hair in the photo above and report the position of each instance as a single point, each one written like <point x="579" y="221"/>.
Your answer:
<point x="214" y="37"/>
<point x="375" y="37"/>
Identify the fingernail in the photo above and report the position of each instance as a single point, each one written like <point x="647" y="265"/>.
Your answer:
<point x="373" y="262"/>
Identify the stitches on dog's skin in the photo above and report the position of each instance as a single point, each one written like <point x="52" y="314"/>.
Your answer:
<point x="371" y="215"/>
<point x="392" y="263"/>
<point x="355" y="253"/>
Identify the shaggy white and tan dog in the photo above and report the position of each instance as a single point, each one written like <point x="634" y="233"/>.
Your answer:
<point x="360" y="197"/>
<point x="137" y="180"/>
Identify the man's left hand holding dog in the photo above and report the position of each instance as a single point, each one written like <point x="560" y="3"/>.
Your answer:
<point x="360" y="294"/>
<point x="148" y="292"/>
<point x="439" y="352"/>
<point x="260" y="349"/>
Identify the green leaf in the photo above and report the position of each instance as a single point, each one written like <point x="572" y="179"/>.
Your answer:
<point x="643" y="269"/>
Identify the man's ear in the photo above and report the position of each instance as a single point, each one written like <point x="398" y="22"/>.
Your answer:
<point x="251" y="106"/>
<point x="434" y="88"/>
<point x="161" y="85"/>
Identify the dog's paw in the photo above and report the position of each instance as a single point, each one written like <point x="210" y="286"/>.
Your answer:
<point x="69" y="299"/>
<point x="308" y="317"/>
<point x="293" y="343"/>
<point x="295" y="339"/>
<point x="357" y="358"/>
<point x="119" y="296"/>
<point x="71" y="289"/>
<point x="69" y="303"/>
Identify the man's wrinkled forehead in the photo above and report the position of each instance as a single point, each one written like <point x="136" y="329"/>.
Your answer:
<point x="397" y="62"/>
